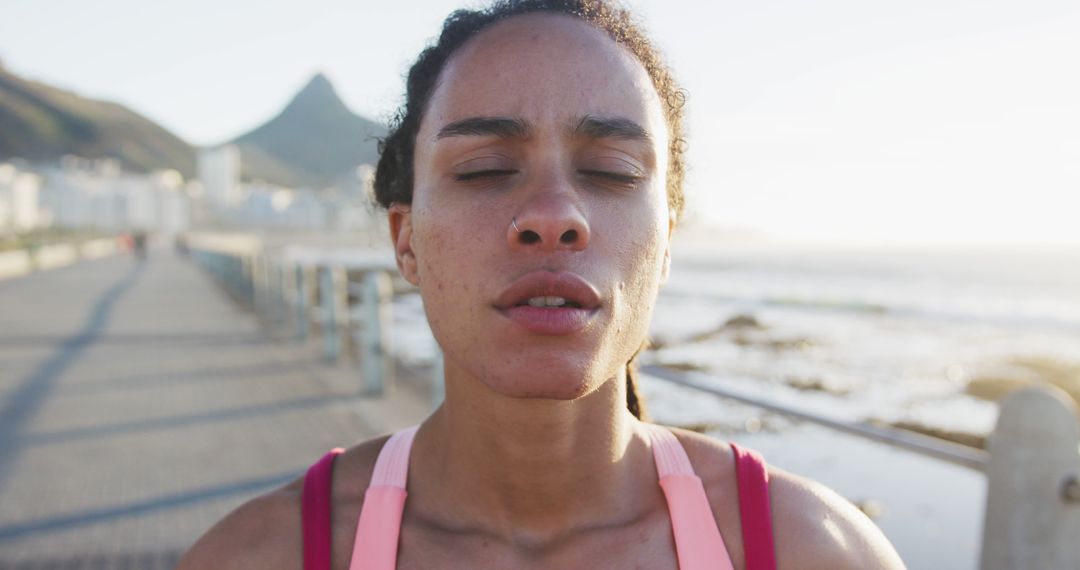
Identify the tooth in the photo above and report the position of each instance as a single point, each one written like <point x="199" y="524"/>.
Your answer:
<point x="555" y="301"/>
<point x="537" y="302"/>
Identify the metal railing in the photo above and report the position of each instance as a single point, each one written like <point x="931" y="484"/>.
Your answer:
<point x="954" y="453"/>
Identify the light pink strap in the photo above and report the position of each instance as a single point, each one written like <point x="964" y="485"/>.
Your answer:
<point x="377" y="532"/>
<point x="671" y="458"/>
<point x="392" y="466"/>
<point x="698" y="543"/>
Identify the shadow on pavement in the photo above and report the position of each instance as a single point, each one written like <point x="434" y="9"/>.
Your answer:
<point x="203" y="418"/>
<point x="114" y="339"/>
<point x="187" y="498"/>
<point x="215" y="374"/>
<point x="25" y="400"/>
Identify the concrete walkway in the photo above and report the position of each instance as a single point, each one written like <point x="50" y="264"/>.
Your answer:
<point x="139" y="404"/>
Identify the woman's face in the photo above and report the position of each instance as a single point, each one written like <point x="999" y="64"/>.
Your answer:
<point x="544" y="122"/>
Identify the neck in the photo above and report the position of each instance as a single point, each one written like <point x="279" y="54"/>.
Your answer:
<point x="531" y="471"/>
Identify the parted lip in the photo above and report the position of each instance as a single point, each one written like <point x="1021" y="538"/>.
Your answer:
<point x="570" y="286"/>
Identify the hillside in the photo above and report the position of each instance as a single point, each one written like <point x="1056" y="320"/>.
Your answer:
<point x="43" y="123"/>
<point x="313" y="142"/>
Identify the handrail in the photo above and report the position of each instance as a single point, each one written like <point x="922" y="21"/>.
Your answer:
<point x="347" y="258"/>
<point x="948" y="451"/>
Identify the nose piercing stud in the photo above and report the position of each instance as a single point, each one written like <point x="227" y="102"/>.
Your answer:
<point x="513" y="222"/>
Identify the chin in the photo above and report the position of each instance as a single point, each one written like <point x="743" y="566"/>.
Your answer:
<point x="530" y="378"/>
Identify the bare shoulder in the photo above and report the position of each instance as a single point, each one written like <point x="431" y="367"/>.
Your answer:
<point x="813" y="526"/>
<point x="265" y="532"/>
<point x="817" y="528"/>
<point x="262" y="533"/>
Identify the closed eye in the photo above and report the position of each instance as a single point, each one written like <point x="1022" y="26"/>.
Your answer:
<point x="476" y="174"/>
<point x="625" y="179"/>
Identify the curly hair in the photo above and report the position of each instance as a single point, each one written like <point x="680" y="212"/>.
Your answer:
<point x="394" y="174"/>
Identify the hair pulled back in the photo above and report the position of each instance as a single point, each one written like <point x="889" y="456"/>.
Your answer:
<point x="394" y="173"/>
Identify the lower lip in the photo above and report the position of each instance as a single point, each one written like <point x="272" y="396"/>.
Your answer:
<point x="549" y="320"/>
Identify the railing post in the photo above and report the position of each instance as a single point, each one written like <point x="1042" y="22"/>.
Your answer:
<point x="330" y="291"/>
<point x="249" y="279"/>
<point x="329" y="326"/>
<point x="225" y="272"/>
<point x="376" y="315"/>
<point x="281" y="304"/>
<point x="253" y="280"/>
<point x="217" y="268"/>
<point x="258" y="283"/>
<point x="1032" y="513"/>
<point x="269" y="289"/>
<point x="301" y="302"/>
<point x="236" y="276"/>
<point x="267" y="278"/>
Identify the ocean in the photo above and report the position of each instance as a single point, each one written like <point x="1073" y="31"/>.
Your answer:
<point x="913" y="336"/>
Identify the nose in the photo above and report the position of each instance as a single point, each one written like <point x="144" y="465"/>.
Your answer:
<point x="551" y="221"/>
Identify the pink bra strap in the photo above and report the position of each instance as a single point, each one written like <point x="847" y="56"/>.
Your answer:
<point x="315" y="512"/>
<point x="754" y="509"/>
<point x="698" y="543"/>
<point x="671" y="458"/>
<point x="392" y="466"/>
<point x="376" y="544"/>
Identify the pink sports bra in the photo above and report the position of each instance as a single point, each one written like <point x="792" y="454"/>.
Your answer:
<point x="698" y="543"/>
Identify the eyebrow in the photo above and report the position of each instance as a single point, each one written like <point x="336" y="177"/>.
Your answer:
<point x="590" y="126"/>
<point x="594" y="127"/>
<point x="502" y="127"/>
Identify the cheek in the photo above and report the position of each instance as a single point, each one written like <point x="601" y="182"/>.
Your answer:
<point x="641" y="256"/>
<point x="641" y="250"/>
<point x="448" y="253"/>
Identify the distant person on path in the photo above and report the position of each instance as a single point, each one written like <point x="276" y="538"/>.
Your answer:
<point x="532" y="181"/>
<point x="139" y="245"/>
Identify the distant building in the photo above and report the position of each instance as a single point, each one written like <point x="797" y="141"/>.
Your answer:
<point x="175" y="216"/>
<point x="267" y="205"/>
<point x="20" y="208"/>
<point x="219" y="173"/>
<point x="156" y="202"/>
<point x="354" y="208"/>
<point x="97" y="194"/>
<point x="82" y="193"/>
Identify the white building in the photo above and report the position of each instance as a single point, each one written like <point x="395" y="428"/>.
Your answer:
<point x="98" y="194"/>
<point x="354" y="207"/>
<point x="81" y="193"/>
<point x="219" y="172"/>
<point x="20" y="208"/>
<point x="175" y="217"/>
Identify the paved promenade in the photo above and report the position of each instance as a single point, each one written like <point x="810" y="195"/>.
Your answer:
<point x="139" y="404"/>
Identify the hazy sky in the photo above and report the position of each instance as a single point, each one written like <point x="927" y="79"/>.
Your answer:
<point x="920" y="120"/>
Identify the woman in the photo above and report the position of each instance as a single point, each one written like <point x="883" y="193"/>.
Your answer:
<point x="532" y="181"/>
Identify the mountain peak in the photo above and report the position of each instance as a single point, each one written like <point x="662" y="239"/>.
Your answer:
<point x="313" y="142"/>
<point x="318" y="92"/>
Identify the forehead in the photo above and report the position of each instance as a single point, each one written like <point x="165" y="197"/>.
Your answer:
<point x="543" y="68"/>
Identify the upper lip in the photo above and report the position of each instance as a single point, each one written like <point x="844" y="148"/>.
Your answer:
<point x="569" y="286"/>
